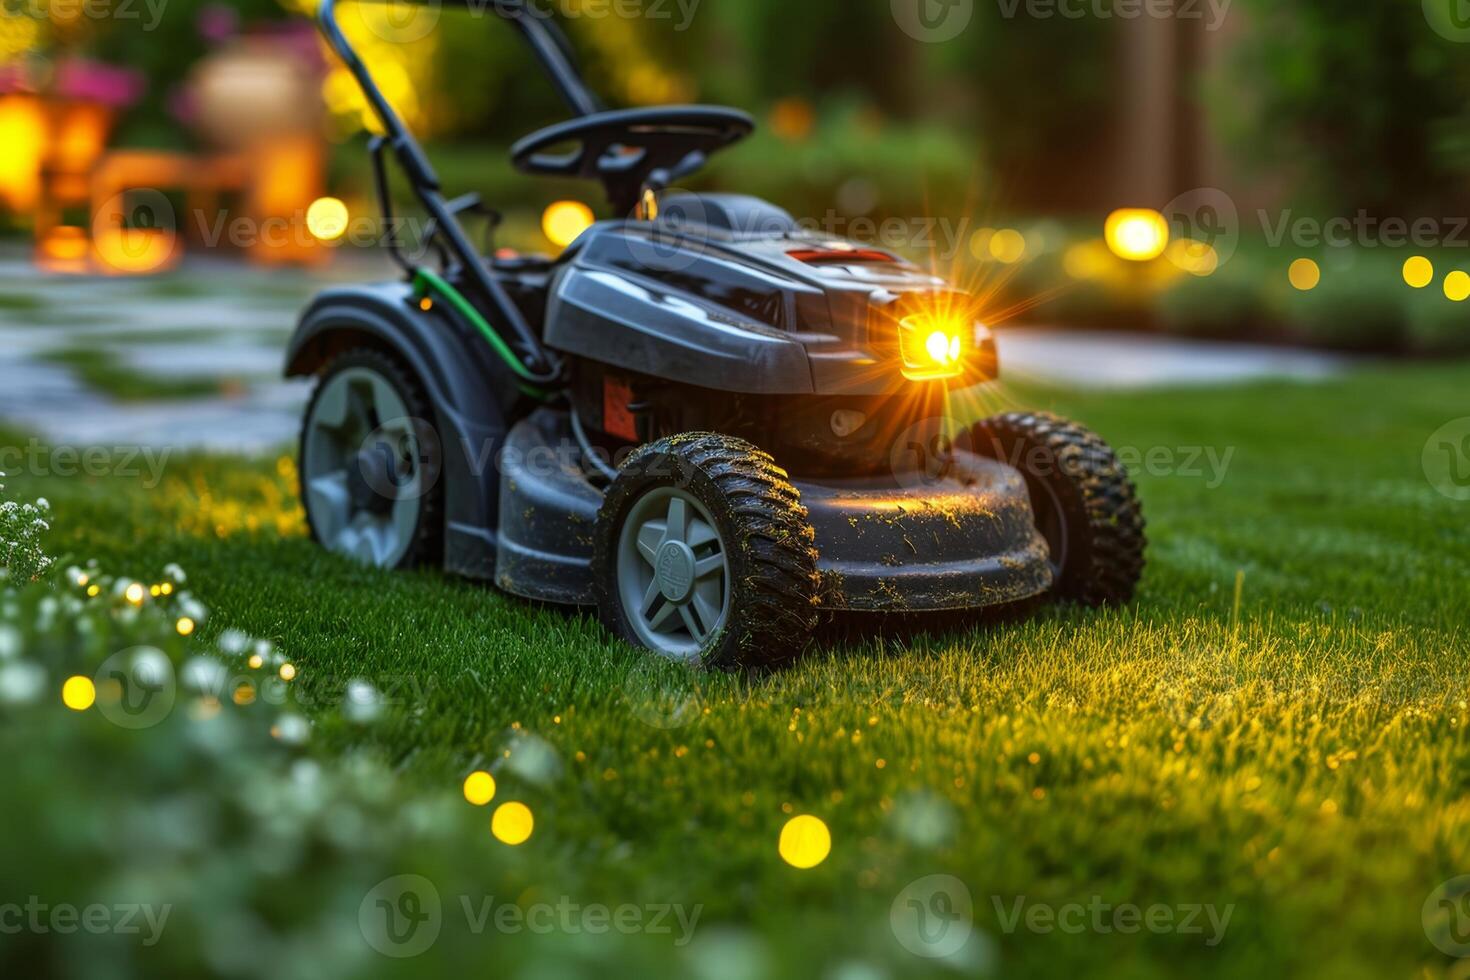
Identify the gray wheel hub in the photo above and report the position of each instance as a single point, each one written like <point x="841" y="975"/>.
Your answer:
<point x="673" y="573"/>
<point x="360" y="468"/>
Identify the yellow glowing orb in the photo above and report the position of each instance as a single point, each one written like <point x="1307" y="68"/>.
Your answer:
<point x="479" y="788"/>
<point x="326" y="218"/>
<point x="1008" y="246"/>
<point x="805" y="841"/>
<point x="134" y="594"/>
<point x="565" y="221"/>
<point x="78" y="693"/>
<point x="1195" y="258"/>
<point x="1304" y="274"/>
<point x="185" y="626"/>
<point x="512" y="823"/>
<point x="288" y="672"/>
<point x="1418" y="271"/>
<point x="1457" y="286"/>
<point x="1136" y="234"/>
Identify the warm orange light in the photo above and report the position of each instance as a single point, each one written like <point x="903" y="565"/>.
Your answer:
<point x="64" y="243"/>
<point x="135" y="251"/>
<point x="1136" y="234"/>
<point x="932" y="346"/>
<point x="80" y="136"/>
<point x="23" y="134"/>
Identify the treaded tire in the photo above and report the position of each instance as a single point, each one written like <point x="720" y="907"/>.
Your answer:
<point x="1085" y="504"/>
<point x="427" y="546"/>
<point x="764" y="531"/>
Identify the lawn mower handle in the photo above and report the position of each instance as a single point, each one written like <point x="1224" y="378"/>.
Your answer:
<point x="553" y="50"/>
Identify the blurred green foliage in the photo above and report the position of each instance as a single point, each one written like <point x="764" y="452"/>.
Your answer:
<point x="1359" y="106"/>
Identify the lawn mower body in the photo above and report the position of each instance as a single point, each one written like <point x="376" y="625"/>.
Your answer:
<point x="766" y="313"/>
<point x="703" y="419"/>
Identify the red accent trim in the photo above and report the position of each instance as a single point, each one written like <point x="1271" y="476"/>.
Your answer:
<point x="835" y="256"/>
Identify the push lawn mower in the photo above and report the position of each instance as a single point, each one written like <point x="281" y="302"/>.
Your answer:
<point x="764" y="391"/>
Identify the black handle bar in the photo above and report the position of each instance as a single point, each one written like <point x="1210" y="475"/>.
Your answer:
<point x="554" y="52"/>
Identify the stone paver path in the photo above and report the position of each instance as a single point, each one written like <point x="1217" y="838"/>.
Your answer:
<point x="228" y="322"/>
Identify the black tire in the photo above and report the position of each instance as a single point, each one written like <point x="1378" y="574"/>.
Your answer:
<point x="426" y="541"/>
<point x="1085" y="504"/>
<point x="771" y="576"/>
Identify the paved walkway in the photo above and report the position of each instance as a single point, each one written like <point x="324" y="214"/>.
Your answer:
<point x="225" y="324"/>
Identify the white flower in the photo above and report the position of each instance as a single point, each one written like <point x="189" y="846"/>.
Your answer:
<point x="363" y="703"/>
<point x="202" y="675"/>
<point x="291" y="729"/>
<point x="10" y="641"/>
<point x="21" y="682"/>
<point x="233" y="642"/>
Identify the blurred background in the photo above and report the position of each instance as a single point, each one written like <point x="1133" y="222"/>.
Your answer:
<point x="1270" y="171"/>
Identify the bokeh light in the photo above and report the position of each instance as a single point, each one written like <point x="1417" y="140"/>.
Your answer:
<point x="1304" y="274"/>
<point x="564" y="222"/>
<point x="1136" y="234"/>
<point x="479" y="788"/>
<point x="1418" y="271"/>
<point x="326" y="219"/>
<point x="512" y="823"/>
<point x="1007" y="245"/>
<point x="1195" y="258"/>
<point x="78" y="693"/>
<point x="1457" y="286"/>
<point x="805" y="841"/>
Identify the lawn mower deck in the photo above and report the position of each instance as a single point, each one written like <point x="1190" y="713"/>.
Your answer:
<point x="962" y="541"/>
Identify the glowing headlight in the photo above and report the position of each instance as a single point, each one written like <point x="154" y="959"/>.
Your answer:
<point x="932" y="347"/>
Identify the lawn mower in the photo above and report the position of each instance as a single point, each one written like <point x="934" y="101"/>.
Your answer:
<point x="709" y="423"/>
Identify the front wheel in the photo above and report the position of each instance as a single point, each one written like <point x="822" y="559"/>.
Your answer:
<point x="704" y="554"/>
<point x="1084" y="504"/>
<point x="370" y="463"/>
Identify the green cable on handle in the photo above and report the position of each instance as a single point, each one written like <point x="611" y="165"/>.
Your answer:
<point x="425" y="280"/>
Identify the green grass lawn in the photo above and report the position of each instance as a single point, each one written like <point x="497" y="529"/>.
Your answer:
<point x="1299" y="759"/>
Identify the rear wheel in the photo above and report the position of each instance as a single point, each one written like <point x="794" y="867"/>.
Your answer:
<point x="369" y="465"/>
<point x="1084" y="504"/>
<point x="704" y="554"/>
